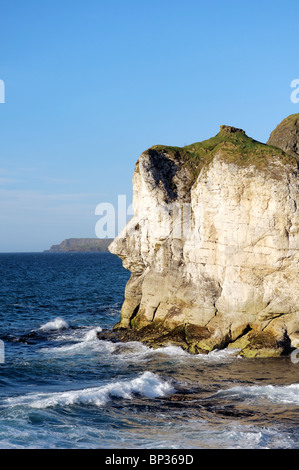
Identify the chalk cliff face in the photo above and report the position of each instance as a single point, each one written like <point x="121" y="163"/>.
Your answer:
<point x="213" y="247"/>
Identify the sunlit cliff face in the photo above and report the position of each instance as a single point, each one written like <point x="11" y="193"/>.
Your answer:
<point x="220" y="252"/>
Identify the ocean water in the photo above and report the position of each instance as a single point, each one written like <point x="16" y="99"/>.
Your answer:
<point x="60" y="387"/>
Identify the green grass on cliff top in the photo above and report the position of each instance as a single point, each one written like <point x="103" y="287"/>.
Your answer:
<point x="233" y="147"/>
<point x="291" y="120"/>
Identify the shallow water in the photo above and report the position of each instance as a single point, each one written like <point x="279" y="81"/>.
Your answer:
<point x="63" y="388"/>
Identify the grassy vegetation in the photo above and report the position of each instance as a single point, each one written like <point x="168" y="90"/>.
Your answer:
<point x="233" y="147"/>
<point x="290" y="120"/>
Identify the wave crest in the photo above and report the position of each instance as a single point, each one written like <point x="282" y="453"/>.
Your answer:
<point x="148" y="384"/>
<point x="57" y="324"/>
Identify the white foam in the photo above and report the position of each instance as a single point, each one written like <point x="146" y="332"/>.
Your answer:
<point x="178" y="353"/>
<point x="148" y="385"/>
<point x="282" y="394"/>
<point x="92" y="334"/>
<point x="57" y="324"/>
<point x="85" y="342"/>
<point x="82" y="340"/>
<point x="175" y="352"/>
<point x="221" y="355"/>
<point x="240" y="436"/>
<point x="171" y="350"/>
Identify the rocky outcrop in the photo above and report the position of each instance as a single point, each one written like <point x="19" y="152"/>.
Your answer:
<point x="81" y="245"/>
<point x="213" y="247"/>
<point x="286" y="135"/>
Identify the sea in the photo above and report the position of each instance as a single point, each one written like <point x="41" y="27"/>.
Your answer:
<point x="63" y="388"/>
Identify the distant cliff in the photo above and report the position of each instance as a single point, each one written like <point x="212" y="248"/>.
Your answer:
<point x="213" y="246"/>
<point x="81" y="245"/>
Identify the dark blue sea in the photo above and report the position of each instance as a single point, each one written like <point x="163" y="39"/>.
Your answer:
<point x="61" y="387"/>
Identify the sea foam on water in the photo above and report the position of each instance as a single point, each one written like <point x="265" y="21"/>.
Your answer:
<point x="148" y="385"/>
<point x="57" y="324"/>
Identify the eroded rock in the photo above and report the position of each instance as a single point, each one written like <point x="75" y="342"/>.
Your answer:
<point x="213" y="247"/>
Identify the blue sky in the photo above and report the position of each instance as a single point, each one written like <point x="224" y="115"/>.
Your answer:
<point x="90" y="85"/>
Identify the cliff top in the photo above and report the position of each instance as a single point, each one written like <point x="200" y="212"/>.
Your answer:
<point x="233" y="145"/>
<point x="230" y="130"/>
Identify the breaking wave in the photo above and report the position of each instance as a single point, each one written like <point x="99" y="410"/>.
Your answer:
<point x="148" y="385"/>
<point x="57" y="324"/>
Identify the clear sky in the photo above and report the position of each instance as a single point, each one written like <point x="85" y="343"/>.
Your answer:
<point x="91" y="84"/>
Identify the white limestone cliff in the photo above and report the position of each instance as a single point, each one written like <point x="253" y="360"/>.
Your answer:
<point x="215" y="255"/>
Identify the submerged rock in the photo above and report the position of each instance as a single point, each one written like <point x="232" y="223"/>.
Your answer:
<point x="213" y="247"/>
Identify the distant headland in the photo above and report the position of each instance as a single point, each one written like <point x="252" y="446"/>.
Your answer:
<point x="81" y="245"/>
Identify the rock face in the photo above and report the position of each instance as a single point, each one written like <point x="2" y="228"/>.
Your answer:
<point x="213" y="247"/>
<point x="286" y="135"/>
